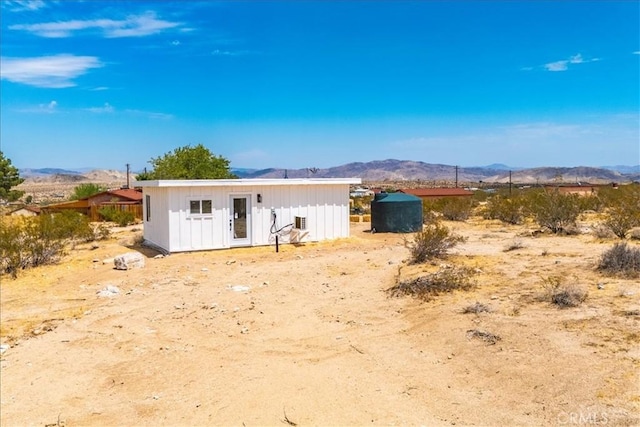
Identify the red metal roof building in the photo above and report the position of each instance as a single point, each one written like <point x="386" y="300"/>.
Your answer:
<point x="436" y="193"/>
<point x="120" y="199"/>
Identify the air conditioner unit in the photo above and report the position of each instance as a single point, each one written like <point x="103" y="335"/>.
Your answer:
<point x="300" y="222"/>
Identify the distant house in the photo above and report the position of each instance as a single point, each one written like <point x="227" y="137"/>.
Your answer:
<point x="25" y="211"/>
<point x="437" y="193"/>
<point x="361" y="192"/>
<point x="581" y="189"/>
<point x="121" y="199"/>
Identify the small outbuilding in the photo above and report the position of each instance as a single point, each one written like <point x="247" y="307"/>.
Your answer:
<point x="25" y="211"/>
<point x="192" y="215"/>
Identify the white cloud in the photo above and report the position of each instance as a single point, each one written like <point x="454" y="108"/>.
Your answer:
<point x="106" y="108"/>
<point x="576" y="59"/>
<point x="543" y="130"/>
<point x="149" y="114"/>
<point x="132" y="26"/>
<point x="563" y="65"/>
<point x="218" y="52"/>
<point x="556" y="66"/>
<point x="50" y="108"/>
<point x="24" y="5"/>
<point x="56" y="71"/>
<point x="637" y="52"/>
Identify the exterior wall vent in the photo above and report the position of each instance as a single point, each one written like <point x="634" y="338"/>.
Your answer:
<point x="301" y="223"/>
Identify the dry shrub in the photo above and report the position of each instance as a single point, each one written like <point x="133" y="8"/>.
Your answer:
<point x="621" y="260"/>
<point x="476" y="308"/>
<point x="515" y="244"/>
<point x="563" y="295"/>
<point x="434" y="241"/>
<point x="555" y="211"/>
<point x="41" y="240"/>
<point x="506" y="209"/>
<point x="428" y="286"/>
<point x="634" y="233"/>
<point x="487" y="337"/>
<point x="601" y="231"/>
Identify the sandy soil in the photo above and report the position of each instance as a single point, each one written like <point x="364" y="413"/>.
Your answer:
<point x="316" y="340"/>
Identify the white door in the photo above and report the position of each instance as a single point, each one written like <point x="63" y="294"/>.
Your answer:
<point x="240" y="220"/>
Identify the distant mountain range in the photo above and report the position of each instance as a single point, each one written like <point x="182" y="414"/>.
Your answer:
<point x="388" y="170"/>
<point x="401" y="170"/>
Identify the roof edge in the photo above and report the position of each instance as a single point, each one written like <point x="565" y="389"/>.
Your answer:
<point x="245" y="182"/>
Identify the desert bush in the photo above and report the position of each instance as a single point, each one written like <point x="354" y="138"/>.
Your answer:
<point x="601" y="231"/>
<point x="623" y="209"/>
<point x="616" y="196"/>
<point x="122" y="218"/>
<point x="554" y="210"/>
<point x="428" y="286"/>
<point x="451" y="208"/>
<point x="487" y="337"/>
<point x="561" y="294"/>
<point x="506" y="209"/>
<point x="621" y="219"/>
<point x="31" y="242"/>
<point x="620" y="260"/>
<point x="476" y="308"/>
<point x="101" y="232"/>
<point x="634" y="233"/>
<point x="434" y="241"/>
<point x="515" y="244"/>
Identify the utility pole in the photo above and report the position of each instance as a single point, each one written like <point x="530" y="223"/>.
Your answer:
<point x="128" y="165"/>
<point x="509" y="183"/>
<point x="456" y="176"/>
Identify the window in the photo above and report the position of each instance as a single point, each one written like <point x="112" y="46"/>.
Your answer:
<point x="200" y="207"/>
<point x="148" y="203"/>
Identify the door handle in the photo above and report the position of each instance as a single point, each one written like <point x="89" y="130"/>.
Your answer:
<point x="230" y="224"/>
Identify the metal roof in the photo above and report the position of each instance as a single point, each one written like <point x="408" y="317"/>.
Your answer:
<point x="437" y="192"/>
<point x="245" y="182"/>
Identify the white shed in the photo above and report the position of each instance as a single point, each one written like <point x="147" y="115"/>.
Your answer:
<point x="192" y="215"/>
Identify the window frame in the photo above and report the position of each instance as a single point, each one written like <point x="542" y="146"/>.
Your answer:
<point x="202" y="204"/>
<point x="147" y="200"/>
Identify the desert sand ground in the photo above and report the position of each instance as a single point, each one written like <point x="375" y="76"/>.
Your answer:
<point x="309" y="336"/>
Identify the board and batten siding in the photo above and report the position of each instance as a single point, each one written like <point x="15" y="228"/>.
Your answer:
<point x="324" y="203"/>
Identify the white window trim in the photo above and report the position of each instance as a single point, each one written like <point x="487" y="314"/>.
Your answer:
<point x="199" y="215"/>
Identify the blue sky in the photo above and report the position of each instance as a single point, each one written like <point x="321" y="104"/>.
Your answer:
<point x="320" y="84"/>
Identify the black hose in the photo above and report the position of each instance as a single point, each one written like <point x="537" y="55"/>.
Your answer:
<point x="278" y="231"/>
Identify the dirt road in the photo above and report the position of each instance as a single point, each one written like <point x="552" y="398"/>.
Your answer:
<point x="309" y="336"/>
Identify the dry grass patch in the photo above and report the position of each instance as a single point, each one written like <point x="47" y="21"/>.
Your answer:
<point x="476" y="308"/>
<point x="430" y="285"/>
<point x="561" y="294"/>
<point x="621" y="260"/>
<point x="487" y="337"/>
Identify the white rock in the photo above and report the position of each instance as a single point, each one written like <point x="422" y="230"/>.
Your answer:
<point x="129" y="260"/>
<point x="109" y="291"/>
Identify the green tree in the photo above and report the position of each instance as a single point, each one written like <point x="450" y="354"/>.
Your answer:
<point x="83" y="191"/>
<point x="189" y="163"/>
<point x="9" y="178"/>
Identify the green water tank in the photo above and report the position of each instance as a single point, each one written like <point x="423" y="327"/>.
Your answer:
<point x="396" y="213"/>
